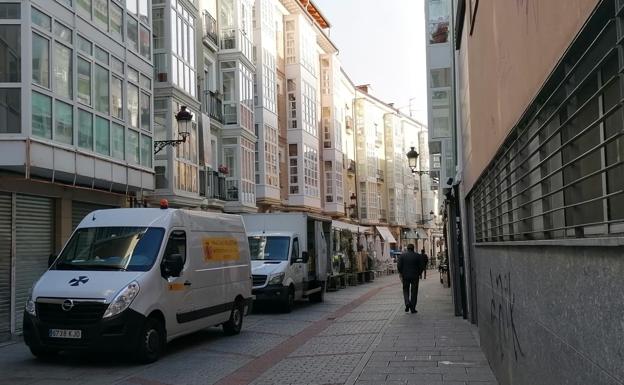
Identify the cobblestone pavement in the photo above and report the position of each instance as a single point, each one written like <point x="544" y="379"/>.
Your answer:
<point x="358" y="336"/>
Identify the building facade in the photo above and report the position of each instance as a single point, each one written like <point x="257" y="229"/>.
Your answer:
<point x="76" y="133"/>
<point x="542" y="184"/>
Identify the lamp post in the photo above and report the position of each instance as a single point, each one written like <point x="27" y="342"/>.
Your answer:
<point x="184" y="118"/>
<point x="412" y="161"/>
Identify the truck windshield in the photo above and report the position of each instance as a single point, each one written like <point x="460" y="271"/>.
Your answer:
<point x="269" y="248"/>
<point x="111" y="248"/>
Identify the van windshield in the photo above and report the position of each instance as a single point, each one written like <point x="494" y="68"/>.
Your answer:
<point x="111" y="248"/>
<point x="269" y="248"/>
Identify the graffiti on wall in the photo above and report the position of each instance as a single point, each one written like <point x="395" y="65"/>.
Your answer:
<point x="502" y="303"/>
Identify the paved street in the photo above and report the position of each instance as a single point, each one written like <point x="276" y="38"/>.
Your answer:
<point x="359" y="335"/>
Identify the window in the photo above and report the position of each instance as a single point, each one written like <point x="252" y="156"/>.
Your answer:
<point x="310" y="165"/>
<point x="131" y="6"/>
<point x="295" y="250"/>
<point x="132" y="142"/>
<point x="40" y="60"/>
<point x="63" y="33"/>
<point x="146" y="151"/>
<point x="64" y="123"/>
<point x="85" y="45"/>
<point x="158" y="27"/>
<point x="101" y="89"/>
<point x="293" y="169"/>
<point x="10" y="11"/>
<point x="100" y="13"/>
<point x="102" y="136"/>
<point x="41" y="19"/>
<point x="176" y="244"/>
<point x="117" y="141"/>
<point x="10" y="111"/>
<point x="133" y="105"/>
<point x="145" y="42"/>
<point x="10" y="54"/>
<point x="66" y="2"/>
<point x="117" y="65"/>
<point x="85" y="130"/>
<point x="116" y="21"/>
<point x="41" y="115"/>
<point x="439" y="13"/>
<point x="440" y="77"/>
<point x="143" y="11"/>
<point x="145" y="111"/>
<point x="116" y="97"/>
<point x="63" y="70"/>
<point x="84" y="6"/>
<point x="84" y="81"/>
<point x="146" y="82"/>
<point x="132" y="30"/>
<point x="101" y="55"/>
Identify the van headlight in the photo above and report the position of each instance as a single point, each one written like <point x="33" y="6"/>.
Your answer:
<point x="30" y="307"/>
<point x="123" y="299"/>
<point x="276" y="279"/>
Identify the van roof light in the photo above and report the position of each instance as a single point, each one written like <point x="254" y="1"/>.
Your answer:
<point x="164" y="204"/>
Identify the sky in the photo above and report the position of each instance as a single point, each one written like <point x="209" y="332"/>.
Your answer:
<point x="382" y="43"/>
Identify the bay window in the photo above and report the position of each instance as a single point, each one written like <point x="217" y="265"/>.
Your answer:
<point x="64" y="122"/>
<point x="10" y="54"/>
<point x="85" y="130"/>
<point x="63" y="70"/>
<point x="133" y="105"/>
<point x="102" y="136"/>
<point x="84" y="81"/>
<point x="41" y="115"/>
<point x="101" y="89"/>
<point x="40" y="60"/>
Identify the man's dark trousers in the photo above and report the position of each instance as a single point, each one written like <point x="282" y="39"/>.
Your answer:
<point x="410" y="292"/>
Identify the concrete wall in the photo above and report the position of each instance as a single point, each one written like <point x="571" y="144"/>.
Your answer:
<point x="552" y="314"/>
<point x="515" y="44"/>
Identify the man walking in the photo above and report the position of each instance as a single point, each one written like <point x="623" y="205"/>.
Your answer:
<point x="410" y="267"/>
<point x="426" y="261"/>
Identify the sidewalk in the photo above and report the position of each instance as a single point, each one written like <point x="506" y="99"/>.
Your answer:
<point x="431" y="347"/>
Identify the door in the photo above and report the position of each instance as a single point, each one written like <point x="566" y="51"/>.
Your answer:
<point x="34" y="244"/>
<point x="297" y="269"/>
<point x="178" y="298"/>
<point x="5" y="265"/>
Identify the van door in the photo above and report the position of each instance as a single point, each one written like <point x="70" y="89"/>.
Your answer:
<point x="297" y="268"/>
<point x="178" y="291"/>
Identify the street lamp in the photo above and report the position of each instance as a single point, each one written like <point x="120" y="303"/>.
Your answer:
<point x="183" y="117"/>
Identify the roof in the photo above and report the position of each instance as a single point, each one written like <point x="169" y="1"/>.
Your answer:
<point x="316" y="14"/>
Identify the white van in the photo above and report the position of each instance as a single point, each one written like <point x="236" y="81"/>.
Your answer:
<point x="133" y="279"/>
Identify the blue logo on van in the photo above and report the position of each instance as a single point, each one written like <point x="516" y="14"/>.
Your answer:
<point x="79" y="280"/>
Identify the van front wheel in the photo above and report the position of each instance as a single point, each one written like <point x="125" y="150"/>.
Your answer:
<point x="234" y="325"/>
<point x="151" y="342"/>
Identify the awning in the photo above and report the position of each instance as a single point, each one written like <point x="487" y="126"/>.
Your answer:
<point x="386" y="234"/>
<point x="351" y="227"/>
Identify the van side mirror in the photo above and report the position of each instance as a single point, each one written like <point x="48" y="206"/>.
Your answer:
<point x="305" y="256"/>
<point x="172" y="265"/>
<point x="51" y="259"/>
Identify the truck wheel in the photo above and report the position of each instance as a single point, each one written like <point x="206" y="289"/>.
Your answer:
<point x="234" y="325"/>
<point x="318" y="296"/>
<point x="290" y="301"/>
<point x="151" y="341"/>
<point x="43" y="353"/>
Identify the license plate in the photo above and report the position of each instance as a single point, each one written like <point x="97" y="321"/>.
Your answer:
<point x="64" y="333"/>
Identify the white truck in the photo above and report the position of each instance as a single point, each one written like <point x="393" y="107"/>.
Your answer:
<point x="289" y="256"/>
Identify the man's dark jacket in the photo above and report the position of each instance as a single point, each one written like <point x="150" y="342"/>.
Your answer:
<point x="410" y="265"/>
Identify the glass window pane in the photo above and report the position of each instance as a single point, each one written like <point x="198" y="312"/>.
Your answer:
<point x="133" y="74"/>
<point x="143" y="12"/>
<point x="84" y="45"/>
<point x="133" y="105"/>
<point x="85" y="6"/>
<point x="10" y="11"/>
<point x="117" y="65"/>
<point x="174" y="36"/>
<point x="146" y="151"/>
<point x="102" y="136"/>
<point x="64" y="123"/>
<point x="41" y="60"/>
<point x="100" y="12"/>
<point x="117" y="141"/>
<point x="62" y="32"/>
<point x="84" y="81"/>
<point x="116" y="21"/>
<point x="101" y="89"/>
<point x="146" y="82"/>
<point x="63" y="70"/>
<point x="66" y="2"/>
<point x="10" y="110"/>
<point x="116" y="98"/>
<point x="145" y="41"/>
<point x="132" y="30"/>
<point x="101" y="55"/>
<point x="41" y="19"/>
<point x="10" y="54"/>
<point x="132" y="143"/>
<point x="41" y="115"/>
<point x="131" y="6"/>
<point x="145" y="111"/>
<point x="85" y="130"/>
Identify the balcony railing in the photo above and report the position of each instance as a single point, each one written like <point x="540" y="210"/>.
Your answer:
<point x="214" y="105"/>
<point x="210" y="28"/>
<point x="351" y="166"/>
<point x="214" y="186"/>
<point x="380" y="175"/>
<point x="231" y="190"/>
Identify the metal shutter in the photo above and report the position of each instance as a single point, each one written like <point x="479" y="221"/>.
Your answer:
<point x="34" y="244"/>
<point x="5" y="265"/>
<point x="81" y="209"/>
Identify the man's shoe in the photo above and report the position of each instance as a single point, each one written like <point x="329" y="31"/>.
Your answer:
<point x="407" y="309"/>
<point x="414" y="311"/>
